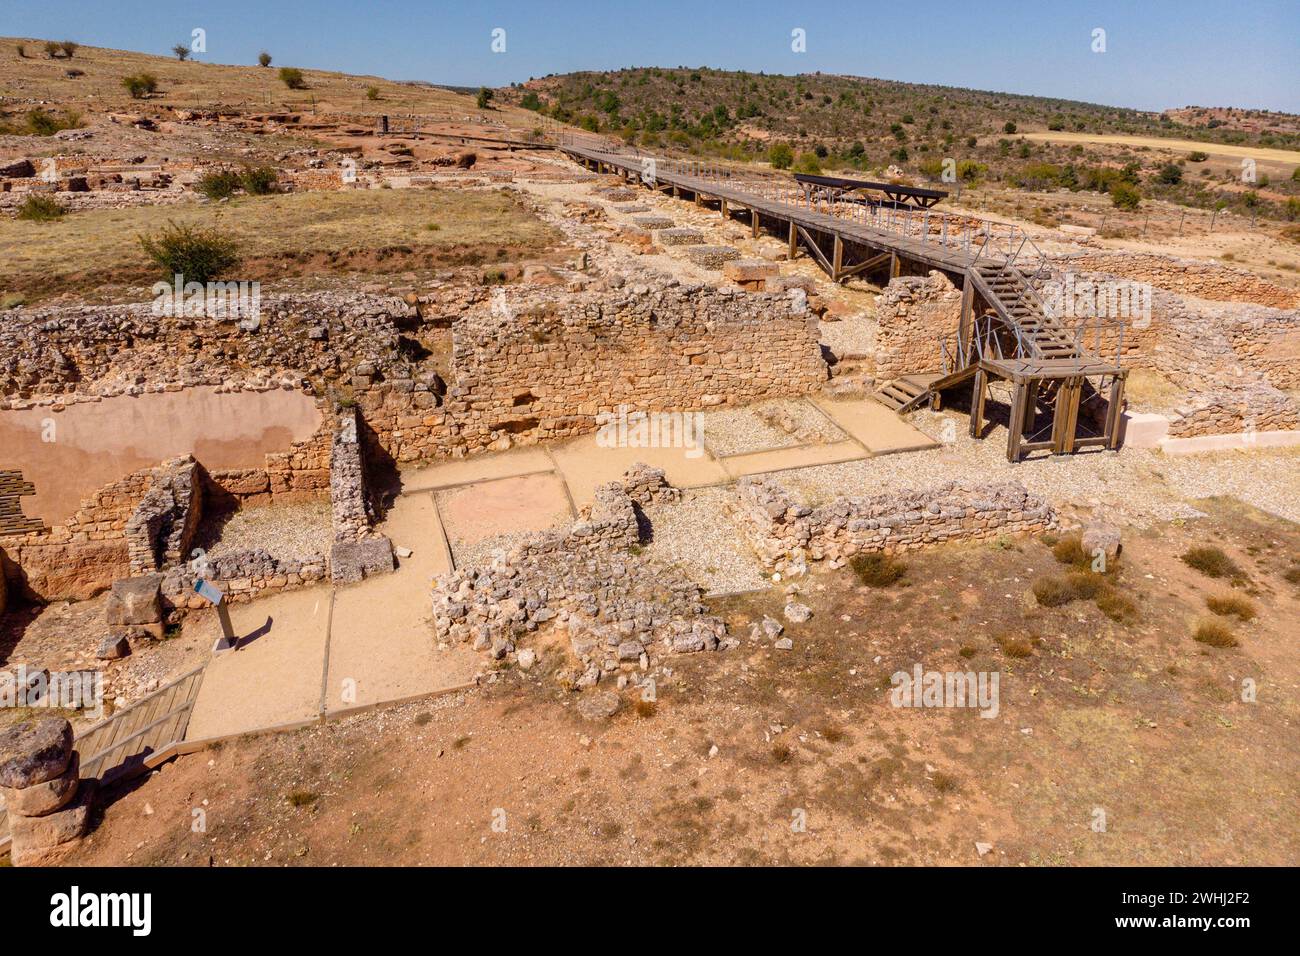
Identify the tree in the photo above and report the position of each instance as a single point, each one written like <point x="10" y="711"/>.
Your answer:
<point x="140" y="85"/>
<point x="531" y="101"/>
<point x="182" y="51"/>
<point x="1125" y="196"/>
<point x="1008" y="127"/>
<point x="780" y="155"/>
<point x="484" y="97"/>
<point x="263" y="59"/>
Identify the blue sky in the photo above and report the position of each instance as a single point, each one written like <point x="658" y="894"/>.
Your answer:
<point x="1159" y="53"/>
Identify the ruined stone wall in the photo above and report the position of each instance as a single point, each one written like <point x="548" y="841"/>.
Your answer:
<point x="786" y="534"/>
<point x="161" y="527"/>
<point x="913" y="315"/>
<point x="1203" y="280"/>
<point x="547" y="370"/>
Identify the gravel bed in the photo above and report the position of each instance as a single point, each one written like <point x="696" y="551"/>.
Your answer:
<point x="1129" y="485"/>
<point x="696" y="535"/>
<point x="482" y="552"/>
<point x="298" y="530"/>
<point x="851" y="335"/>
<point x="1268" y="478"/>
<point x="737" y="431"/>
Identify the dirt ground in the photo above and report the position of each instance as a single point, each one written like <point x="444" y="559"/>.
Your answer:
<point x="760" y="755"/>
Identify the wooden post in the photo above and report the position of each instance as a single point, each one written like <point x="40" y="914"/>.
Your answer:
<point x="893" y="265"/>
<point x="1015" y="422"/>
<point x="1072" y="415"/>
<point x="753" y="222"/>
<point x="1031" y="404"/>
<point x="837" y="262"/>
<point x="794" y="241"/>
<point x="966" y="325"/>
<point x="1114" y="412"/>
<point x="723" y="207"/>
<point x="977" y="405"/>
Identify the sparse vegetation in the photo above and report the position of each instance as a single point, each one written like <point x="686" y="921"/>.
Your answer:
<point x="217" y="184"/>
<point x="263" y="59"/>
<point x="197" y="255"/>
<point x="1214" y="634"/>
<point x="292" y="77"/>
<point x="1211" y="561"/>
<point x="877" y="570"/>
<point x="302" y="798"/>
<point x="182" y="51"/>
<point x="1231" y="605"/>
<point x="40" y="208"/>
<point x="259" y="180"/>
<point x="140" y="85"/>
<point x="372" y="93"/>
<point x="41" y="122"/>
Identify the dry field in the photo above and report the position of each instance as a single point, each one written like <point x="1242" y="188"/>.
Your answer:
<point x="377" y="230"/>
<point x="1132" y="717"/>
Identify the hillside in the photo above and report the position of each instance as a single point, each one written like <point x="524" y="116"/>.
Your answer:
<point x="843" y="122"/>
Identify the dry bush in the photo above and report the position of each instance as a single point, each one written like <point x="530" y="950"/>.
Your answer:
<point x="1231" y="605"/>
<point x="1211" y="561"/>
<point x="877" y="570"/>
<point x="1215" y="634"/>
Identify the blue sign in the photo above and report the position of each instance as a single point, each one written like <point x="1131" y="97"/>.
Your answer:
<point x="208" y="591"/>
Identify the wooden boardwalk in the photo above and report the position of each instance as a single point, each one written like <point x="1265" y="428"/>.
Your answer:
<point x="135" y="739"/>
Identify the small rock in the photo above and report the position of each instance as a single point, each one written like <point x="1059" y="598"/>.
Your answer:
<point x="599" y="705"/>
<point x="784" y="644"/>
<point x="527" y="658"/>
<point x="797" y="613"/>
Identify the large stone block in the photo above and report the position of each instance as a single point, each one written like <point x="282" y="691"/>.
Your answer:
<point x="136" y="600"/>
<point x="353" y="560"/>
<point x="35" y="837"/>
<point x="44" y="798"/>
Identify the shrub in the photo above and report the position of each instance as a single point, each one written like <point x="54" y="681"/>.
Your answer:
<point x="1197" y="156"/>
<point x="302" y="798"/>
<point x="68" y="48"/>
<point x="1125" y="196"/>
<point x="1069" y="550"/>
<point x="259" y="180"/>
<point x="1008" y="127"/>
<point x="807" y="163"/>
<point x="263" y="59"/>
<point x="52" y="49"/>
<point x="1231" y="605"/>
<point x="531" y="101"/>
<point x="781" y="156"/>
<point x="39" y="122"/>
<point x="1015" y="647"/>
<point x="372" y="92"/>
<point x="22" y="50"/>
<point x="1215" y="634"/>
<point x="140" y="85"/>
<point x="1170" y="174"/>
<point x="197" y="255"/>
<point x="39" y="208"/>
<point x="1053" y="590"/>
<point x="1116" y="606"/>
<point x="1211" y="561"/>
<point x="484" y="97"/>
<point x="292" y="77"/>
<point x="182" y="51"/>
<point x="877" y="570"/>
<point x="218" y="184"/>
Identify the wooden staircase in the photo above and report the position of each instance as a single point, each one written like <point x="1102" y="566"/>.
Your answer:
<point x="906" y="393"/>
<point x="1012" y="297"/>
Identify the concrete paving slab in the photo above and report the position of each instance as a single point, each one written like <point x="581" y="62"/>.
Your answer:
<point x="504" y="464"/>
<point x="503" y="506"/>
<point x="381" y="643"/>
<point x="273" y="677"/>
<point x="783" y="459"/>
<point x="871" y="423"/>
<point x="586" y="465"/>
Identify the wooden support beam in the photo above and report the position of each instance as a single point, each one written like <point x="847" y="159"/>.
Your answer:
<point x="966" y="324"/>
<point x="1114" y="412"/>
<point x="977" y="405"/>
<point x="863" y="266"/>
<point x="1031" y="404"/>
<point x="1072" y="415"/>
<point x="753" y="222"/>
<point x="814" y="249"/>
<point x="1015" y="429"/>
<point x="838" y="262"/>
<point x="893" y="265"/>
<point x="723" y="208"/>
<point x="794" y="241"/>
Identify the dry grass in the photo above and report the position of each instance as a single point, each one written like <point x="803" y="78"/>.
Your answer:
<point x="102" y="246"/>
<point x="1151" y="391"/>
<point x="1231" y="605"/>
<point x="877" y="570"/>
<point x="1211" y="561"/>
<point x="1215" y="634"/>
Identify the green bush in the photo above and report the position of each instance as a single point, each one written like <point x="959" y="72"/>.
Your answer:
<point x="40" y="208"/>
<point x="196" y="255"/>
<point x="484" y="97"/>
<point x="781" y="156"/>
<point x="39" y="122"/>
<point x="372" y="93"/>
<point x="218" y="184"/>
<point x="263" y="59"/>
<point x="182" y="51"/>
<point x="1125" y="196"/>
<point x="1170" y="174"/>
<point x="259" y="180"/>
<point x="1008" y="127"/>
<point x="140" y="85"/>
<point x="292" y="77"/>
<point x="808" y="163"/>
<point x="1199" y="156"/>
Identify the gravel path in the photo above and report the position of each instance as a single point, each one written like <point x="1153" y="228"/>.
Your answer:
<point x="737" y="431"/>
<point x="696" y="535"/>
<point x="851" y="335"/>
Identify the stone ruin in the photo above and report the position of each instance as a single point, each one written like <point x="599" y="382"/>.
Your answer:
<point x="40" y="788"/>
<point x="618" y="610"/>
<point x="787" y="535"/>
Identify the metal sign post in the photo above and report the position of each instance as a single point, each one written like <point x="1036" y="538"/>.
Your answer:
<point x="210" y="592"/>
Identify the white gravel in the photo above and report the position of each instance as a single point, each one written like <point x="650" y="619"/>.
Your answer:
<point x="737" y="431"/>
<point x="696" y="535"/>
<point x="300" y="530"/>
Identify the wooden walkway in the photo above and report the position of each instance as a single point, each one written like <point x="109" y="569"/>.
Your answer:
<point x="135" y="739"/>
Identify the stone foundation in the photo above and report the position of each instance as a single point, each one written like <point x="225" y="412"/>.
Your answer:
<point x="913" y="315"/>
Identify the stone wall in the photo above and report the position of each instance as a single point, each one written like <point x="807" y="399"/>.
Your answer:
<point x="358" y="552"/>
<point x="1203" y="280"/>
<point x="162" y="526"/>
<point x="786" y="534"/>
<point x="546" y="370"/>
<point x="913" y="314"/>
